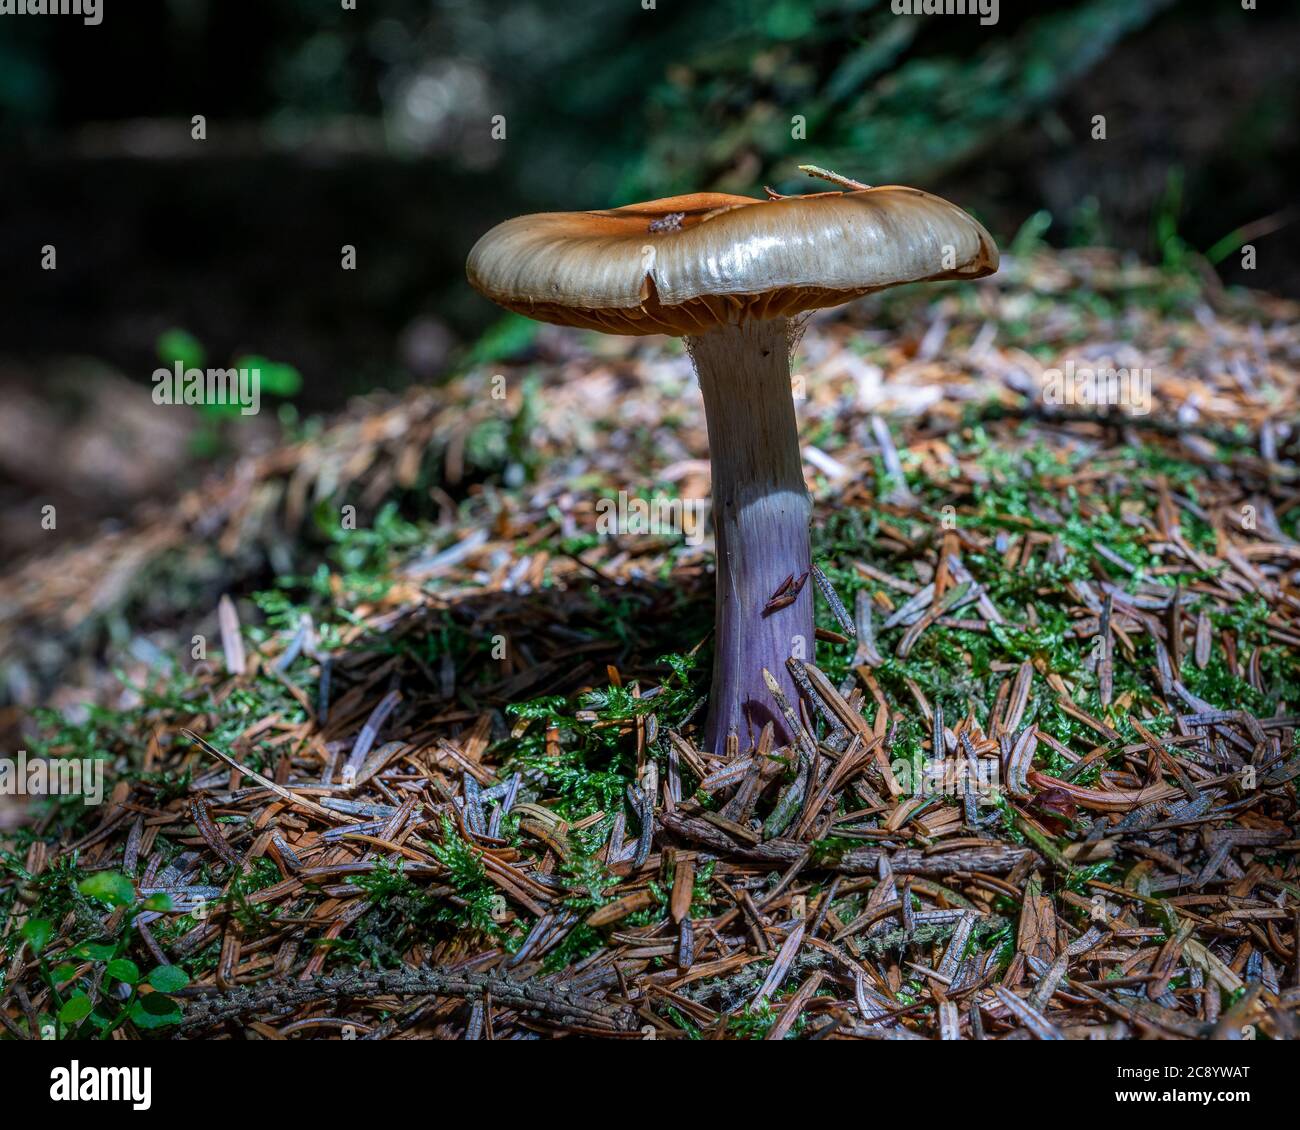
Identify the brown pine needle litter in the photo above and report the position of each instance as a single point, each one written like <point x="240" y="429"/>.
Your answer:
<point x="446" y="778"/>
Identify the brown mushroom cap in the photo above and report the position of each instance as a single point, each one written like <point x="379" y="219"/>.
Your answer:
<point x="686" y="264"/>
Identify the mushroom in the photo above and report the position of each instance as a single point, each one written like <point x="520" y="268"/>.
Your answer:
<point x="732" y="274"/>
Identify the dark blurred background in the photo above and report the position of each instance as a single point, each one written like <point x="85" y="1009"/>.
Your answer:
<point x="373" y="128"/>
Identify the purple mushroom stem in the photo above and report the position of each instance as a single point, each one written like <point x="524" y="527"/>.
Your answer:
<point x="761" y="513"/>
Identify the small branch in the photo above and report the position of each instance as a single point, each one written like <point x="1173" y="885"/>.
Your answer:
<point x="996" y="858"/>
<point x="835" y="178"/>
<point x="924" y="935"/>
<point x="281" y="998"/>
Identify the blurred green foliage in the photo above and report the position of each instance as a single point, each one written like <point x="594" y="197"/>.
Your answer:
<point x="426" y="121"/>
<point x="869" y="87"/>
<point x="177" y="346"/>
<point x="599" y="95"/>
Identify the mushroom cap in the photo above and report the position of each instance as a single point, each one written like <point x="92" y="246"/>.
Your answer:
<point x="686" y="264"/>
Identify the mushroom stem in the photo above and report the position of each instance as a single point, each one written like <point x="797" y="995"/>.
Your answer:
<point x="761" y="512"/>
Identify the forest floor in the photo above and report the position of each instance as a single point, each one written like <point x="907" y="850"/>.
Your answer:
<point x="427" y="759"/>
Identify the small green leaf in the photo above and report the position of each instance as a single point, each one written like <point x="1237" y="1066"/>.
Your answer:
<point x="124" y="970"/>
<point x="169" y="978"/>
<point x="180" y="345"/>
<point x="94" y="951"/>
<point x="155" y="1010"/>
<point x="275" y="377"/>
<point x="111" y="887"/>
<point x="36" y="932"/>
<point x="63" y="973"/>
<point x="508" y="336"/>
<point x="76" y="1009"/>
<point x="160" y="902"/>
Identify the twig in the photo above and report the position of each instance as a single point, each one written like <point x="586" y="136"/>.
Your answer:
<point x="835" y="178"/>
<point x="553" y="1003"/>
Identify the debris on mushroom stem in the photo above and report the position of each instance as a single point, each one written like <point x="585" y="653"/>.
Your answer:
<point x="670" y="222"/>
